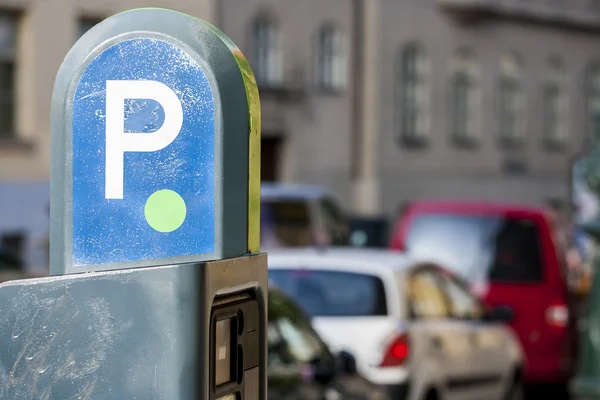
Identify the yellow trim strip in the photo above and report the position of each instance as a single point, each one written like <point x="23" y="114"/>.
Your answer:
<point x="253" y="141"/>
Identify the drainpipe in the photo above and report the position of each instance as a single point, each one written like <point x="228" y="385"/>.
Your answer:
<point x="218" y="14"/>
<point x="365" y="183"/>
<point x="357" y="55"/>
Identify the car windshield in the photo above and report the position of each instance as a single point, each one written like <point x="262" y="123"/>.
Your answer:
<point x="332" y="293"/>
<point x="479" y="248"/>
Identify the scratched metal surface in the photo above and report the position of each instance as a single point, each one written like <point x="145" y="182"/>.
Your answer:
<point x="116" y="335"/>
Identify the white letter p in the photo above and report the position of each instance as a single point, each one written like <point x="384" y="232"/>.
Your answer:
<point x="118" y="141"/>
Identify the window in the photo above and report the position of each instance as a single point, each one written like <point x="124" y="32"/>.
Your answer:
<point x="85" y="24"/>
<point x="426" y="300"/>
<point x="286" y="223"/>
<point x="8" y="68"/>
<point x="331" y="59"/>
<point x="511" y="104"/>
<point x="290" y="337"/>
<point x="462" y="303"/>
<point x="413" y="101"/>
<point x="554" y="104"/>
<point x="479" y="248"/>
<point x="465" y="101"/>
<point x="267" y="57"/>
<point x="518" y="255"/>
<point x="592" y="106"/>
<point x="318" y="292"/>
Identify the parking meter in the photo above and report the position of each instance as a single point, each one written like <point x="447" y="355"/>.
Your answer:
<point x="586" y="185"/>
<point x="157" y="288"/>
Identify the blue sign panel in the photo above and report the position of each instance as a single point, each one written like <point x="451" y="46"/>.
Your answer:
<point x="143" y="156"/>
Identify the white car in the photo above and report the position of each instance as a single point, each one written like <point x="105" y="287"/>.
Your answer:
<point x="413" y="328"/>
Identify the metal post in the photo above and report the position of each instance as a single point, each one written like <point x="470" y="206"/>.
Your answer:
<point x="158" y="289"/>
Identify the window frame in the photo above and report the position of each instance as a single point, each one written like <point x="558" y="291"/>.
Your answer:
<point x="511" y="101"/>
<point x="9" y="59"/>
<point x="266" y="52"/>
<point x="554" y="105"/>
<point x="460" y="115"/>
<point x="427" y="269"/>
<point x="464" y="74"/>
<point x="331" y="58"/>
<point x="412" y="99"/>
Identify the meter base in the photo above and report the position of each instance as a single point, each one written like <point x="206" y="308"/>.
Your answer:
<point x="139" y="333"/>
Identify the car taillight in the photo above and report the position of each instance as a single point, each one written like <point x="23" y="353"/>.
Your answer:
<point x="397" y="244"/>
<point x="396" y="352"/>
<point x="397" y="241"/>
<point x="480" y="289"/>
<point x="557" y="315"/>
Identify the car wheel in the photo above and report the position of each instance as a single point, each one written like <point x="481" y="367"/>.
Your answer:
<point x="516" y="391"/>
<point x="548" y="391"/>
<point x="431" y="395"/>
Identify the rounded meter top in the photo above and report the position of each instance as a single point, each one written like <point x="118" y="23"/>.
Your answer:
<point x="155" y="146"/>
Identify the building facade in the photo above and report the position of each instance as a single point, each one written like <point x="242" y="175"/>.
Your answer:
<point x="386" y="101"/>
<point x="383" y="101"/>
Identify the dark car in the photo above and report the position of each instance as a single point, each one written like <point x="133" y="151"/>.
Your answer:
<point x="301" y="366"/>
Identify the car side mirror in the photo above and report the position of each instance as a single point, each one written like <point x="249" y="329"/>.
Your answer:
<point x="346" y="363"/>
<point x="500" y="314"/>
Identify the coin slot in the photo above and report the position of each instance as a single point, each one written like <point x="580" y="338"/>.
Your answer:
<point x="240" y="370"/>
<point x="240" y="321"/>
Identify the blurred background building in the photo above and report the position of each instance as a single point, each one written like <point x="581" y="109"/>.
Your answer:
<point x="382" y="101"/>
<point x="411" y="99"/>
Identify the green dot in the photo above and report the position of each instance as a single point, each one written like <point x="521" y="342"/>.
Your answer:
<point x="165" y="210"/>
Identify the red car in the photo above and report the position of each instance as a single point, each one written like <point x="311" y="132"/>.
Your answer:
<point x="510" y="256"/>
